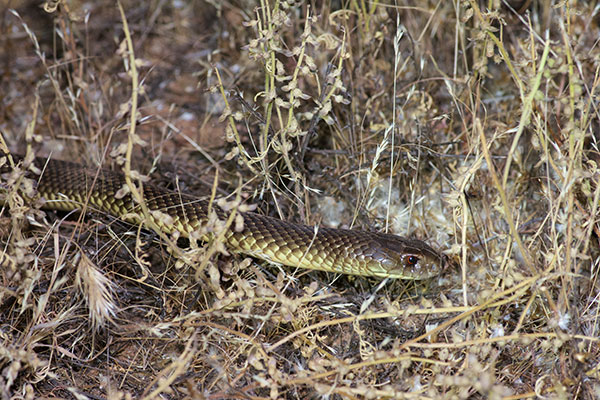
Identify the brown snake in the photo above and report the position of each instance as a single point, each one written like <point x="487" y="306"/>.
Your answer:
<point x="68" y="186"/>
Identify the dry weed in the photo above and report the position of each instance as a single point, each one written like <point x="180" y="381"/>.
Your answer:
<point x="472" y="124"/>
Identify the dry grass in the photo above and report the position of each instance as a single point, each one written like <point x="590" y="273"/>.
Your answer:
<point x="473" y="125"/>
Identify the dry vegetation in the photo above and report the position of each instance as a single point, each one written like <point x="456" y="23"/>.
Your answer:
<point x="471" y="124"/>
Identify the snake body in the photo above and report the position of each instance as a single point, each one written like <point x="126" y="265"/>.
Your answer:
<point x="69" y="186"/>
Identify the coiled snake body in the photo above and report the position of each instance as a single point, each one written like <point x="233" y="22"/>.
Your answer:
<point x="68" y="186"/>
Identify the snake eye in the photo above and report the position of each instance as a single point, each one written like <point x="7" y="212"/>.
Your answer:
<point x="412" y="260"/>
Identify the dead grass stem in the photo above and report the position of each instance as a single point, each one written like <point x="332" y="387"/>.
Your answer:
<point x="473" y="125"/>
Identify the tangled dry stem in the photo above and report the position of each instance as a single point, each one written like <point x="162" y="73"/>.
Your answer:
<point x="474" y="127"/>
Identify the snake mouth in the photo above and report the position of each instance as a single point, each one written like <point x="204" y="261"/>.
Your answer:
<point x="423" y="269"/>
<point x="406" y="266"/>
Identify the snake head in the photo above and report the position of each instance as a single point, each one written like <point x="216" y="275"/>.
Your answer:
<point x="397" y="257"/>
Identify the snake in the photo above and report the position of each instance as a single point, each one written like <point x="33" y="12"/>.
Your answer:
<point x="69" y="186"/>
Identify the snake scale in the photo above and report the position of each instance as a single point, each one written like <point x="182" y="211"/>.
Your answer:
<point x="68" y="186"/>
